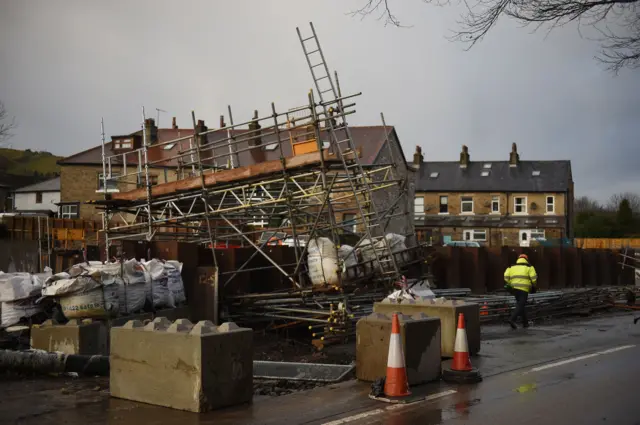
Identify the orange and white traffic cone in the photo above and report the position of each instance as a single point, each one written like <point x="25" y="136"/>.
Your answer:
<point x="396" y="383"/>
<point x="461" y="370"/>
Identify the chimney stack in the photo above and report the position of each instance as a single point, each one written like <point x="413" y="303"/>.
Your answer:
<point x="151" y="130"/>
<point x="514" y="157"/>
<point x="201" y="128"/>
<point x="174" y="124"/>
<point x="418" y="158"/>
<point x="222" y="123"/>
<point x="464" y="157"/>
<point x="257" y="153"/>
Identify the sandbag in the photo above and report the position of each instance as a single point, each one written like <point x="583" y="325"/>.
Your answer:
<point x="173" y="269"/>
<point x="396" y="244"/>
<point x="158" y="292"/>
<point x="133" y="292"/>
<point x="12" y="312"/>
<point x="322" y="260"/>
<point x="100" y="302"/>
<point x="18" y="286"/>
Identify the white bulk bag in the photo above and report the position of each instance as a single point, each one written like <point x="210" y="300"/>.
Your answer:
<point x="322" y="260"/>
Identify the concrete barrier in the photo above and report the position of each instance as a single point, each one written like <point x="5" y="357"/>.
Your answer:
<point x="180" y="365"/>
<point x="82" y="337"/>
<point x="447" y="311"/>
<point x="420" y="341"/>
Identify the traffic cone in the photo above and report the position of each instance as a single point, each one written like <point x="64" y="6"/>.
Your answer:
<point x="396" y="383"/>
<point x="461" y="370"/>
<point x="461" y="361"/>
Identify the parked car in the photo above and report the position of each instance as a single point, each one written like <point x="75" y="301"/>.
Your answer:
<point x="472" y="244"/>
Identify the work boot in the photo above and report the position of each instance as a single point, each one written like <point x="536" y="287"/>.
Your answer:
<point x="512" y="324"/>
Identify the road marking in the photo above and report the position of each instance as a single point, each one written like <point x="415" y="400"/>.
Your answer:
<point x="576" y="359"/>
<point x="392" y="407"/>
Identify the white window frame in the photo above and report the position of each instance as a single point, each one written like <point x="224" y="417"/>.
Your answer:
<point x="472" y="233"/>
<point x="418" y="206"/>
<point x="123" y="144"/>
<point x="524" y="205"/>
<point x="493" y="199"/>
<point x="552" y="204"/>
<point x="446" y="198"/>
<point x="535" y="234"/>
<point x="114" y="180"/>
<point x="462" y="202"/>
<point x="69" y="214"/>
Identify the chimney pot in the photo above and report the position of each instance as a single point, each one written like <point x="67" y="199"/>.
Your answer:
<point x="464" y="157"/>
<point x="200" y="123"/>
<point x="174" y="124"/>
<point x="222" y="123"/>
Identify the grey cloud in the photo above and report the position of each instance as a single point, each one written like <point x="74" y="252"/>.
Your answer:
<point x="65" y="64"/>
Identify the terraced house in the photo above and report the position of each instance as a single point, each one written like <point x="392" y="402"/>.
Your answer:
<point x="494" y="203"/>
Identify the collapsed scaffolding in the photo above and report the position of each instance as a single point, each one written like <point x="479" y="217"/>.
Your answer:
<point x="220" y="190"/>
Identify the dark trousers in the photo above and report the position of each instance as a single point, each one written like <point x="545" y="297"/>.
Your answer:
<point x="521" y="306"/>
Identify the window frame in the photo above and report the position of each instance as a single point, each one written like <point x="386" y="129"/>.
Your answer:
<point x="416" y="213"/>
<point x="38" y="197"/>
<point x="524" y="205"/>
<point x="495" y="198"/>
<point x="446" y="204"/>
<point x="553" y="204"/>
<point x="473" y="232"/>
<point x="469" y="199"/>
<point x="69" y="215"/>
<point x="113" y="179"/>
<point x="122" y="144"/>
<point x="351" y="223"/>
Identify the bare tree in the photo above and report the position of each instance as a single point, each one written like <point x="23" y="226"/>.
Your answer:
<point x="634" y="201"/>
<point x="585" y="204"/>
<point x="616" y="21"/>
<point x="6" y="124"/>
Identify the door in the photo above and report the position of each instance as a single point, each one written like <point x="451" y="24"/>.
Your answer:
<point x="468" y="235"/>
<point x="524" y="237"/>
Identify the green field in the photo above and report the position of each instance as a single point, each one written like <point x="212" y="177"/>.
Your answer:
<point x="28" y="163"/>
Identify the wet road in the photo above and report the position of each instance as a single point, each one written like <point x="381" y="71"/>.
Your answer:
<point x="581" y="392"/>
<point x="599" y="388"/>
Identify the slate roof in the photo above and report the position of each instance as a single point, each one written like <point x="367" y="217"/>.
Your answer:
<point x="52" y="185"/>
<point x="555" y="176"/>
<point x="369" y="139"/>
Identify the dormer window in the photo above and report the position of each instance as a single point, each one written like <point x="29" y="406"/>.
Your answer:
<point x="122" y="144"/>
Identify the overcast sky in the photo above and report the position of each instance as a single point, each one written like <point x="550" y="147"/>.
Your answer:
<point x="64" y="64"/>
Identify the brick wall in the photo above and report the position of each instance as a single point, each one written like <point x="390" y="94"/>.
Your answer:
<point x="79" y="183"/>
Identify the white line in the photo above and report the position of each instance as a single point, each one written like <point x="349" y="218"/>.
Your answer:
<point x="576" y="359"/>
<point x="388" y="408"/>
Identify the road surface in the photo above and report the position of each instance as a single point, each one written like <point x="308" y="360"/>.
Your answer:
<point x="597" y="388"/>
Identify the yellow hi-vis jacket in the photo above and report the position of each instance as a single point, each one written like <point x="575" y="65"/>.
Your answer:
<point x="522" y="276"/>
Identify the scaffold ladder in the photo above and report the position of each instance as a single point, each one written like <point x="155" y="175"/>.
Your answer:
<point x="340" y="136"/>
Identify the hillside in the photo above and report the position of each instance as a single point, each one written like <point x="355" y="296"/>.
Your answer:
<point x="28" y="163"/>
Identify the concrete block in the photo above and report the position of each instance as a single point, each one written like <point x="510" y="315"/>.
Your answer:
<point x="181" y="365"/>
<point x="84" y="337"/>
<point x="119" y="321"/>
<point x="447" y="311"/>
<point x="420" y="343"/>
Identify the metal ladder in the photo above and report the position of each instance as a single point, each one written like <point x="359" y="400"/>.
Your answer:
<point x="342" y="141"/>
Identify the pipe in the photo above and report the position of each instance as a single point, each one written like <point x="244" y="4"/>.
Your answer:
<point x="45" y="363"/>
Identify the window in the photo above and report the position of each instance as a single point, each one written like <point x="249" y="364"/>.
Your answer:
<point x="444" y="205"/>
<point x="535" y="173"/>
<point x="520" y="205"/>
<point x="271" y="147"/>
<point x="123" y="144"/>
<point x="484" y="173"/>
<point x="38" y="197"/>
<point x="434" y="175"/>
<point x="112" y="183"/>
<point x="551" y="205"/>
<point x="466" y="205"/>
<point x="537" y="234"/>
<point x="495" y="205"/>
<point x="486" y="165"/>
<point x="69" y="211"/>
<point x="418" y="206"/>
<point x="349" y="222"/>
<point x="475" y="235"/>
